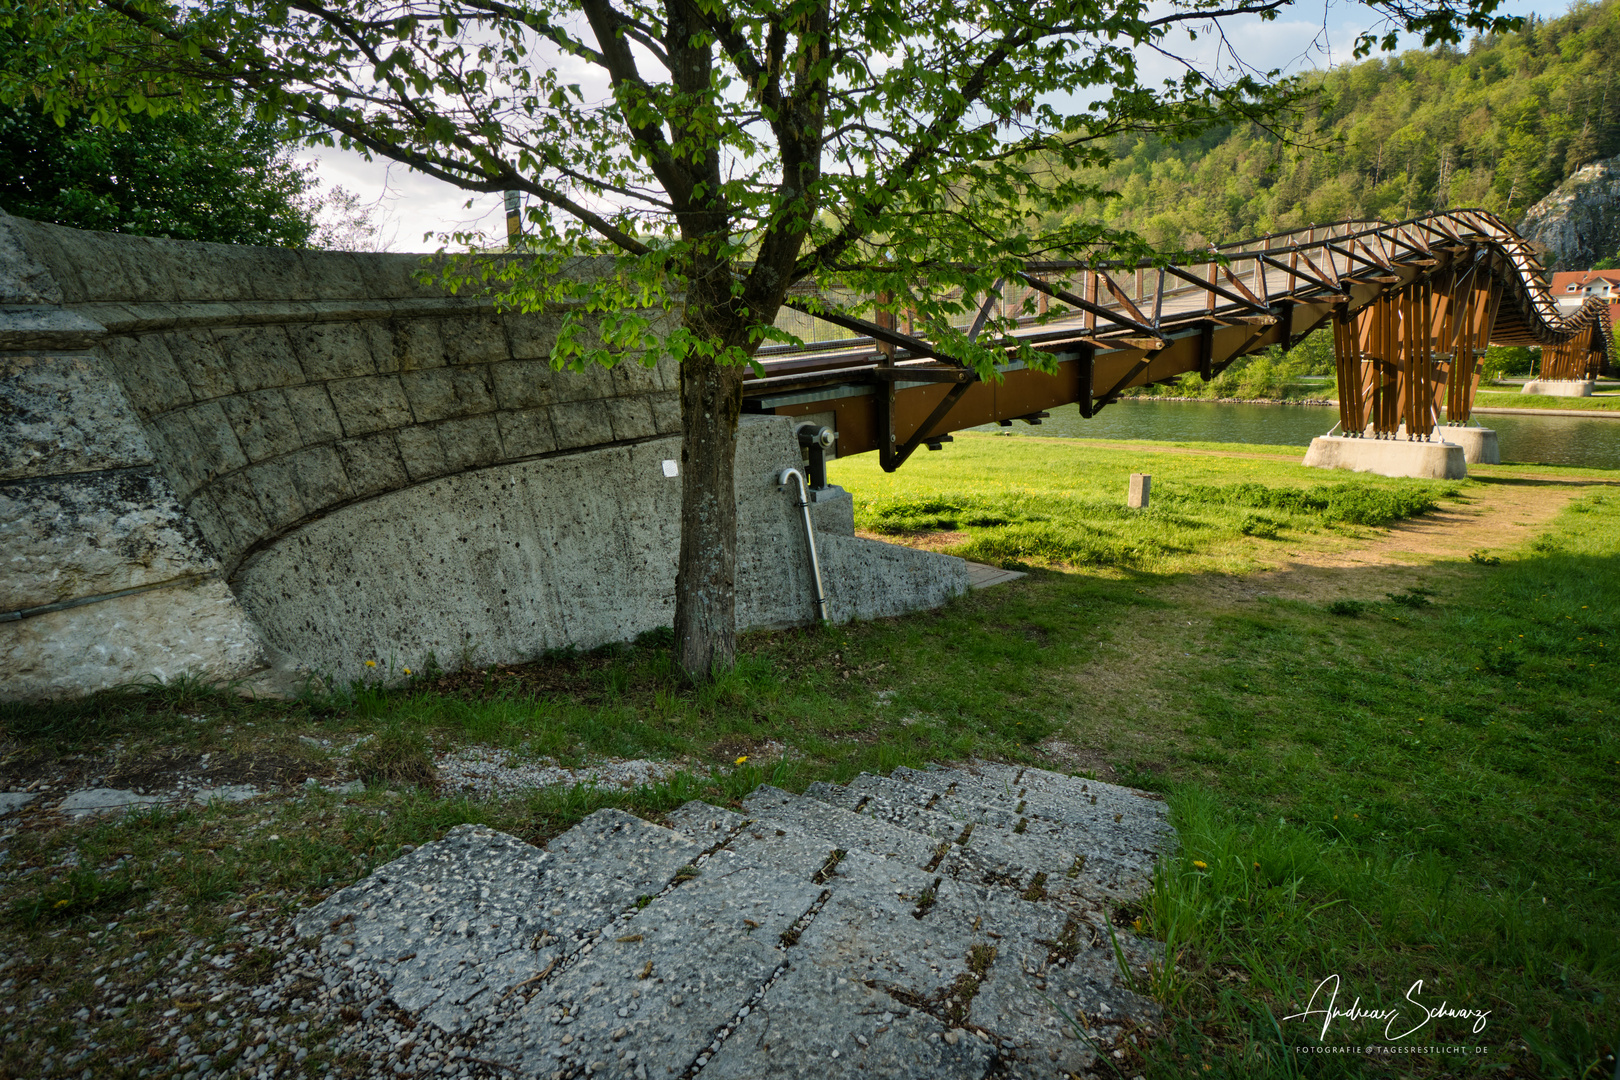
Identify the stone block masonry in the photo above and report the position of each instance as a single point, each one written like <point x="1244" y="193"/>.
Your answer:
<point x="227" y="461"/>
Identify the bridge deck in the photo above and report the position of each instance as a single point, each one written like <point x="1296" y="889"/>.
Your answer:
<point x="1128" y="326"/>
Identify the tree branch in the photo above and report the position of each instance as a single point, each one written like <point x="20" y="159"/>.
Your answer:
<point x="606" y="24"/>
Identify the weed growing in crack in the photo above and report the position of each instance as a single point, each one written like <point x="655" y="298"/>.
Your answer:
<point x="830" y="867"/>
<point x="959" y="999"/>
<point x="925" y="902"/>
<point x="1037" y="888"/>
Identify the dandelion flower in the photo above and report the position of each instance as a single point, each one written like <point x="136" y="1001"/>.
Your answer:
<point x="1201" y="864"/>
<point x="371" y="663"/>
<point x="742" y="759"/>
<point x="407" y="671"/>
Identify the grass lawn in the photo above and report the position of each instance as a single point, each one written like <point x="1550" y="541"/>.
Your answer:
<point x="1388" y="760"/>
<point x="1487" y="399"/>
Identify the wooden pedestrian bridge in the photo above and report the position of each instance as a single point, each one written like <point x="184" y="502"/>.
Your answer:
<point x="1413" y="306"/>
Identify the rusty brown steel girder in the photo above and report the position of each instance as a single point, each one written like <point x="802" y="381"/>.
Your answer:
<point x="1413" y="306"/>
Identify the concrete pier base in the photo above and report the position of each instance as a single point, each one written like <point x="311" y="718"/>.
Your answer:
<point x="1478" y="443"/>
<point x="1559" y="387"/>
<point x="1388" y="457"/>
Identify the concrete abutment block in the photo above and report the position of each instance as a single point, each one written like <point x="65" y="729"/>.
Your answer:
<point x="300" y="462"/>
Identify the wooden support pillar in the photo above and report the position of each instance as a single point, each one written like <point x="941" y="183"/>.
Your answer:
<point x="1348" y="365"/>
<point x="884" y="316"/>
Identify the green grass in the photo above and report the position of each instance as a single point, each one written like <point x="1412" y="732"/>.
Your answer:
<point x="1052" y="502"/>
<point x="1413" y="779"/>
<point x="1486" y="399"/>
<point x="1428" y="794"/>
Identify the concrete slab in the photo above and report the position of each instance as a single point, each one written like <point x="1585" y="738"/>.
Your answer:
<point x="480" y="911"/>
<point x="983" y="789"/>
<point x="1558" y="387"/>
<point x="847" y="935"/>
<point x="840" y="829"/>
<point x="603" y="866"/>
<point x="1388" y="457"/>
<point x="442" y="925"/>
<point x="817" y="1024"/>
<point x="1054" y="977"/>
<point x="1003" y="847"/>
<point x="981" y="576"/>
<point x="1073" y="798"/>
<point x="225" y="793"/>
<point x="1120" y="834"/>
<point x="708" y="825"/>
<point x="12" y="801"/>
<point x="646" y="1002"/>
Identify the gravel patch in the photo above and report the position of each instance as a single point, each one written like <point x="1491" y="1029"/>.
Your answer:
<point x="485" y="770"/>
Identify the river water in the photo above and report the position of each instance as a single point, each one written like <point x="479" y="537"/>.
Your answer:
<point x="1547" y="439"/>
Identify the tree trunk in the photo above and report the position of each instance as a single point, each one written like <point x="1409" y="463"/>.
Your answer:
<point x="706" y="577"/>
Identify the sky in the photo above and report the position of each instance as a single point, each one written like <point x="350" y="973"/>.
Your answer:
<point x="409" y="211"/>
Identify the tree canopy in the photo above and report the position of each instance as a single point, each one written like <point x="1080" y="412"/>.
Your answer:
<point x="722" y="152"/>
<point x="189" y="176"/>
<point x="1496" y="125"/>
<point x="208" y="174"/>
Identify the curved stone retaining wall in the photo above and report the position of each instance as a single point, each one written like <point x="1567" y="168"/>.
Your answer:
<point x="214" y="459"/>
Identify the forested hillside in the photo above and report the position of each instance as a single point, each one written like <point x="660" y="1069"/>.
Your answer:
<point x="1496" y="126"/>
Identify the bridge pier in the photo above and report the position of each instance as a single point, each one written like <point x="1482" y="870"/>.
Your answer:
<point x="1559" y="387"/>
<point x="257" y="464"/>
<point x="1478" y="443"/>
<point x="1388" y="457"/>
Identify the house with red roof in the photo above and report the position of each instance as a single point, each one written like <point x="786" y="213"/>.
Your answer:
<point x="1572" y="288"/>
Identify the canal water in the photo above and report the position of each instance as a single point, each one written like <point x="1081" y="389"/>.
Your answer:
<point x="1543" y="439"/>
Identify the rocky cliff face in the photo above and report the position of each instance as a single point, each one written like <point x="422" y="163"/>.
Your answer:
<point x="1579" y="223"/>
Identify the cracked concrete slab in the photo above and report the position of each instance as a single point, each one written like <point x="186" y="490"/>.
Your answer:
<point x="845" y="933"/>
<point x="1001" y="845"/>
<point x="652" y="996"/>
<point x="815" y="1023"/>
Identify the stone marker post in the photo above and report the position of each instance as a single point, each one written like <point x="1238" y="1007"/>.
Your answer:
<point x="1141" y="483"/>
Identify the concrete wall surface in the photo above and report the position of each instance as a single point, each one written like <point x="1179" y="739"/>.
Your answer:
<point x="509" y="561"/>
<point x="222" y="460"/>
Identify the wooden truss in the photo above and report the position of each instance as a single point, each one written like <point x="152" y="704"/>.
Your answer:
<point x="1413" y="306"/>
<point x="1411" y="355"/>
